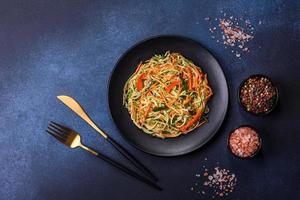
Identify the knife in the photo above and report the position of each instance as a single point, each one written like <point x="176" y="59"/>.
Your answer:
<point x="77" y="108"/>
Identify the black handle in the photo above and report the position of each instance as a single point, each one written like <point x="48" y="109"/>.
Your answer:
<point x="126" y="170"/>
<point x="132" y="159"/>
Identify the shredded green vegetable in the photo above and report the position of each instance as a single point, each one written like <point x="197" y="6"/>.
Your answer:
<point x="167" y="96"/>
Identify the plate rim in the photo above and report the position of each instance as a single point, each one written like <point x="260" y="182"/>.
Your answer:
<point x="190" y="150"/>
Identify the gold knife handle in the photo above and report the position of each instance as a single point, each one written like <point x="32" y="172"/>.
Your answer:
<point x="75" y="106"/>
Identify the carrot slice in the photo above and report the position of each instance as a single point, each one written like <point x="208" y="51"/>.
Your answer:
<point x="172" y="85"/>
<point x="190" y="78"/>
<point x="148" y="109"/>
<point x="147" y="112"/>
<point x="138" y="67"/>
<point x="195" y="118"/>
<point x="187" y="100"/>
<point x="140" y="82"/>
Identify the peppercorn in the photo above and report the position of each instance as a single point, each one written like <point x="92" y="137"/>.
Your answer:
<point x="258" y="95"/>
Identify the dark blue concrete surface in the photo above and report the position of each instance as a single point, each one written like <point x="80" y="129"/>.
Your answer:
<point x="48" y="48"/>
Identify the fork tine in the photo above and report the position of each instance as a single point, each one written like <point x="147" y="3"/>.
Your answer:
<point x="58" y="130"/>
<point x="58" y="133"/>
<point x="60" y="126"/>
<point x="54" y="135"/>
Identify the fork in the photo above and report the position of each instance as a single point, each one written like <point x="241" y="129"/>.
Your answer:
<point x="71" y="139"/>
<point x="76" y="107"/>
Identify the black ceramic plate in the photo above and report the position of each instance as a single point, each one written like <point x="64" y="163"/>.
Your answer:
<point x="145" y="50"/>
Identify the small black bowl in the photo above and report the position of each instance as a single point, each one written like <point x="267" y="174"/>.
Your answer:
<point x="275" y="98"/>
<point x="255" y="153"/>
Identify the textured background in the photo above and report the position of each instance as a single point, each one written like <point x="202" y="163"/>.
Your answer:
<point x="49" y="48"/>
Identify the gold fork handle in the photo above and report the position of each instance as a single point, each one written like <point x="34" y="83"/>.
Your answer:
<point x="89" y="150"/>
<point x="75" y="106"/>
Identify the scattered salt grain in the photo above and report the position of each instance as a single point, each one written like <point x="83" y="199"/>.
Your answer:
<point x="218" y="182"/>
<point x="222" y="181"/>
<point x="235" y="33"/>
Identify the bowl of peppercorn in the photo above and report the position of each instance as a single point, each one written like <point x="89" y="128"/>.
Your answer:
<point x="258" y="95"/>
